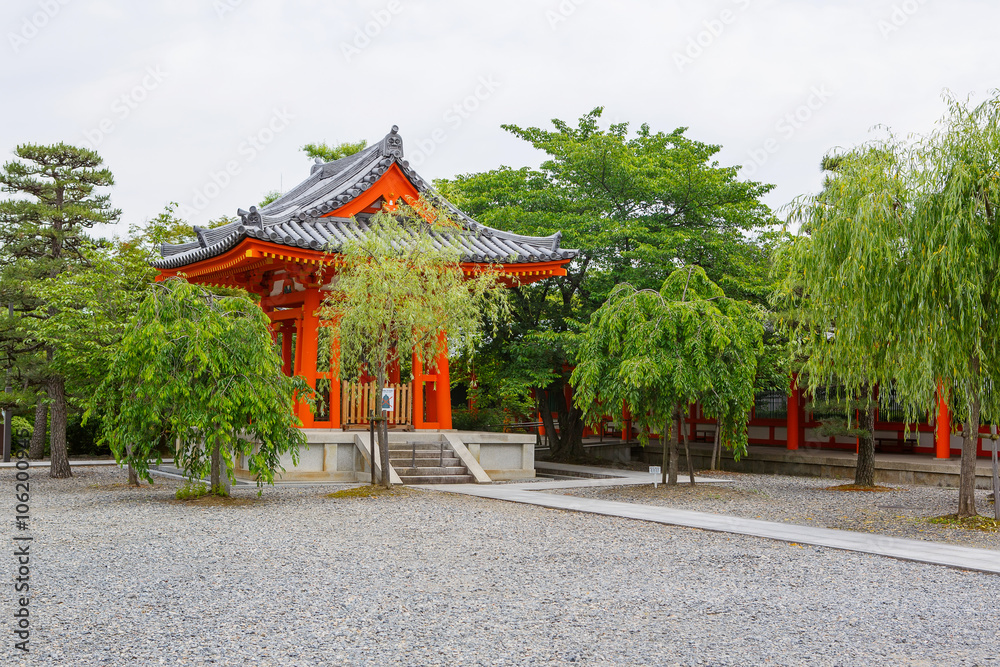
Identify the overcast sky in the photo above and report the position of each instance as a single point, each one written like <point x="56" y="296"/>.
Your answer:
<point x="208" y="102"/>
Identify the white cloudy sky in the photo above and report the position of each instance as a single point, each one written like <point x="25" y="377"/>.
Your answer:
<point x="171" y="91"/>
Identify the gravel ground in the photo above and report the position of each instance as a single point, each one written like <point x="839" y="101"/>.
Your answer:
<point x="130" y="577"/>
<point x="901" y="512"/>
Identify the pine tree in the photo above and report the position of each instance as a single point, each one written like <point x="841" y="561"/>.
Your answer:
<point x="42" y="234"/>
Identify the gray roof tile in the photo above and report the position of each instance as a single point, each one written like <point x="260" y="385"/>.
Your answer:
<point x="294" y="219"/>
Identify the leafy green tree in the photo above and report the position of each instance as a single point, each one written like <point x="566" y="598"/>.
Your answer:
<point x="326" y="153"/>
<point x="199" y="372"/>
<point x="42" y="234"/>
<point x="400" y="291"/>
<point x="270" y="196"/>
<point x="825" y="333"/>
<point x="900" y="257"/>
<point x="638" y="206"/>
<point x="657" y="352"/>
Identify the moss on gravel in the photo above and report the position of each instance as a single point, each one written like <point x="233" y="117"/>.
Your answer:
<point x="369" y="491"/>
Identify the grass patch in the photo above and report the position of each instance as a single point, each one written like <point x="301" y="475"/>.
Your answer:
<point x="369" y="491"/>
<point x="855" y="487"/>
<point x="980" y="523"/>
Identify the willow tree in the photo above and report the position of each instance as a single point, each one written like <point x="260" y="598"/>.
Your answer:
<point x="901" y="254"/>
<point x="199" y="372"/>
<point x="838" y="296"/>
<point x="400" y="290"/>
<point x="656" y="352"/>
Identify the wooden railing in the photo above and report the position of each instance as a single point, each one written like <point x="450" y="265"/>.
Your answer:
<point x="358" y="399"/>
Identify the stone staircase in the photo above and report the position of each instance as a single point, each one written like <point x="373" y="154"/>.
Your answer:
<point x="425" y="462"/>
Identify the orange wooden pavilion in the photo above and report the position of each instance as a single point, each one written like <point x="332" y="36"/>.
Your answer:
<point x="284" y="251"/>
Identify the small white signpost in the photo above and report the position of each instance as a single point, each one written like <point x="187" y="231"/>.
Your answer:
<point x="991" y="445"/>
<point x="388" y="399"/>
<point x="655" y="471"/>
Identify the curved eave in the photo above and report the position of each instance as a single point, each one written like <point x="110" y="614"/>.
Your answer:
<point x="253" y="254"/>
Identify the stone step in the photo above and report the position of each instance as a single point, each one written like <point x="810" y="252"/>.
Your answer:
<point x="394" y="448"/>
<point x="436" y="479"/>
<point x="422" y="456"/>
<point x="429" y="470"/>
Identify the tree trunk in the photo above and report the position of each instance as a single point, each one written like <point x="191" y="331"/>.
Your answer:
<point x="864" y="471"/>
<point x="57" y="434"/>
<point x="672" y="476"/>
<point x="213" y="479"/>
<point x="665" y="462"/>
<point x="383" y="437"/>
<point x="717" y="446"/>
<point x="36" y="450"/>
<point x="133" y="479"/>
<point x="970" y="443"/>
<point x="687" y="448"/>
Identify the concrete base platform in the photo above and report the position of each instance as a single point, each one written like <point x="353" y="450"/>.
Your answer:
<point x="889" y="468"/>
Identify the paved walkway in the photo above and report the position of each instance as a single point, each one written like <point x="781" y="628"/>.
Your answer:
<point x="533" y="493"/>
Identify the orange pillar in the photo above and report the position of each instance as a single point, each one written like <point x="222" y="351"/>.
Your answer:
<point x="942" y="437"/>
<point x="286" y="348"/>
<point x="335" y="384"/>
<point x="443" y="387"/>
<point x="796" y="418"/>
<point x="307" y="348"/>
<point x="418" y="392"/>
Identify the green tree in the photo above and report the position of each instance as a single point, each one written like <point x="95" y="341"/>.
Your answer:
<point x="638" y="206"/>
<point x="826" y="334"/>
<point x="402" y="291"/>
<point x="322" y="151"/>
<point x="657" y="352"/>
<point x="199" y="372"/>
<point x="901" y="257"/>
<point x="42" y="233"/>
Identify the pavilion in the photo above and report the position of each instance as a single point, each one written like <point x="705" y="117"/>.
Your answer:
<point x="286" y="252"/>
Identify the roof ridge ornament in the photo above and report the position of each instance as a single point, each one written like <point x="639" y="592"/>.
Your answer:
<point x="392" y="144"/>
<point x="251" y="218"/>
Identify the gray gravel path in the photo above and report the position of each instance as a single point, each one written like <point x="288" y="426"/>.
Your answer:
<point x="901" y="512"/>
<point x="125" y="577"/>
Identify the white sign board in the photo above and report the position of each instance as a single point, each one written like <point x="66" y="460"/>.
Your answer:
<point x="655" y="471"/>
<point x="388" y="399"/>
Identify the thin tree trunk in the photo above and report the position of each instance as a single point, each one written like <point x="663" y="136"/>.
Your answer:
<point x="213" y="478"/>
<point x="864" y="471"/>
<point x="384" y="451"/>
<point x="36" y="450"/>
<point x="687" y="448"/>
<point x="133" y="479"/>
<point x="717" y="446"/>
<point x="59" y="467"/>
<point x="665" y="459"/>
<point x="672" y="477"/>
<point x="970" y="443"/>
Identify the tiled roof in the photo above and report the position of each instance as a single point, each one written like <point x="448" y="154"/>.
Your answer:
<point x="295" y="218"/>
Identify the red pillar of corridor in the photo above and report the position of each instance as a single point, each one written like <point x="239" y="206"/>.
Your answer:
<point x="942" y="435"/>
<point x="796" y="416"/>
